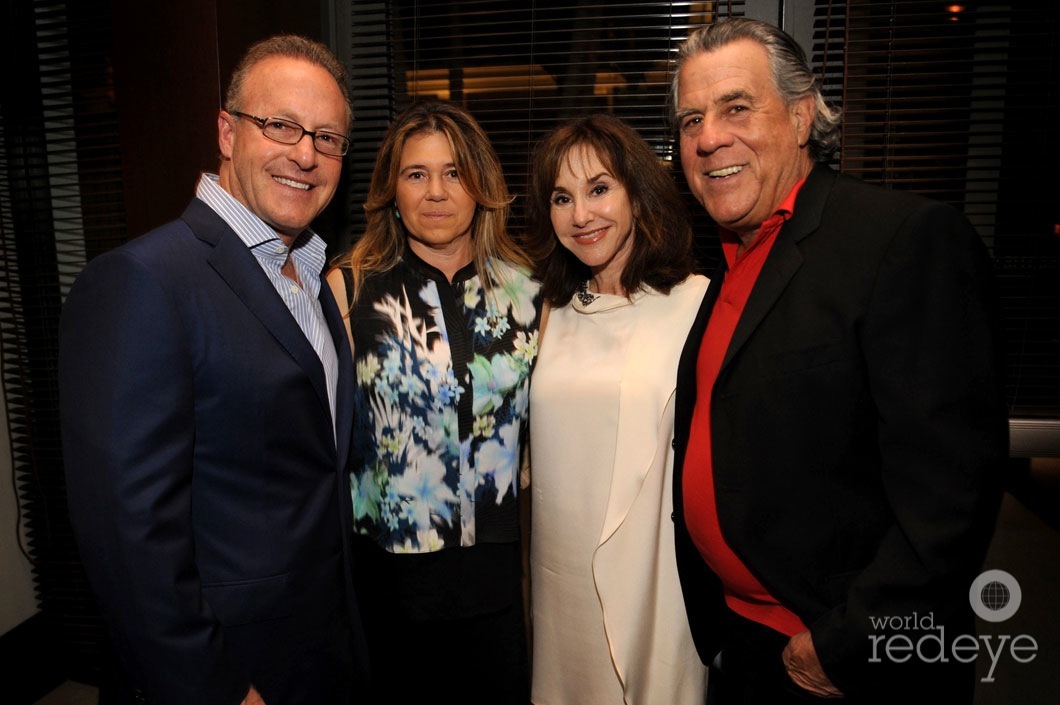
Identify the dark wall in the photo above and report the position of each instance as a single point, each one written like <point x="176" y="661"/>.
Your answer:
<point x="172" y="62"/>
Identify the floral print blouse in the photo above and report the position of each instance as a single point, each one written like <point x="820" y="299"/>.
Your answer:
<point x="442" y="390"/>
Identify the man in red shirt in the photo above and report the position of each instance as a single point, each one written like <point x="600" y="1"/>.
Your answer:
<point x="841" y="426"/>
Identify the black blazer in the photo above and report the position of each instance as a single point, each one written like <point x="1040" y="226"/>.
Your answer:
<point x="207" y="487"/>
<point x="858" y="423"/>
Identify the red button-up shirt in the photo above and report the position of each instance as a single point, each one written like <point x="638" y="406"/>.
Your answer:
<point x="744" y="594"/>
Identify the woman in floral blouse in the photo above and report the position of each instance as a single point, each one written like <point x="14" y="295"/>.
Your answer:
<point x="444" y="322"/>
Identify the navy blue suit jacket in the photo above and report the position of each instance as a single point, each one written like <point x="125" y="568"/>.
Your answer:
<point x="858" y="424"/>
<point x="207" y="488"/>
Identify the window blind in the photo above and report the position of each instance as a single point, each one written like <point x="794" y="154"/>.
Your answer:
<point x="958" y="101"/>
<point x="519" y="68"/>
<point x="60" y="200"/>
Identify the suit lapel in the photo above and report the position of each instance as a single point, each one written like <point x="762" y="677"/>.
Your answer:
<point x="686" y="367"/>
<point x="344" y="390"/>
<point x="784" y="259"/>
<point x="685" y="400"/>
<point x="239" y="268"/>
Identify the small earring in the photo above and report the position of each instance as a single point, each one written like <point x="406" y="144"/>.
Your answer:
<point x="397" y="214"/>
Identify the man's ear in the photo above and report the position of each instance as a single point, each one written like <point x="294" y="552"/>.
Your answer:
<point x="802" y="114"/>
<point x="225" y="133"/>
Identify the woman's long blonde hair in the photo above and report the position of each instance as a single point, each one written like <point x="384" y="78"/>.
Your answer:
<point x="383" y="243"/>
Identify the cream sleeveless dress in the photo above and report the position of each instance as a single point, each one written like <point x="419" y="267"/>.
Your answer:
<point x="609" y="625"/>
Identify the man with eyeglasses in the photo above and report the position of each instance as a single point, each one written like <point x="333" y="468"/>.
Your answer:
<point x="205" y="380"/>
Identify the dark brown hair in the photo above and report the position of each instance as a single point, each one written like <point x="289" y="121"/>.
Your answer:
<point x="662" y="239"/>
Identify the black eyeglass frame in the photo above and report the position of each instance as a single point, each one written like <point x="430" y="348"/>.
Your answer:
<point x="263" y="122"/>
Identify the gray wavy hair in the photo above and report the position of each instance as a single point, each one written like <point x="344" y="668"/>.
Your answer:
<point x="791" y="74"/>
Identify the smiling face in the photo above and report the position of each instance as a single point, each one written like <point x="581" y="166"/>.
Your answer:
<point x="592" y="217"/>
<point x="286" y="185"/>
<point x="742" y="148"/>
<point x="435" y="208"/>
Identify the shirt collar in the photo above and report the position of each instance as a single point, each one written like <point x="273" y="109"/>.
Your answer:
<point x="308" y="247"/>
<point x="465" y="273"/>
<point x="730" y="242"/>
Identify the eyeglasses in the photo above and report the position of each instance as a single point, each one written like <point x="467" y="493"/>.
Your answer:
<point x="288" y="132"/>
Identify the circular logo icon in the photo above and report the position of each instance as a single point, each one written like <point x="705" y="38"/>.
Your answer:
<point x="995" y="596"/>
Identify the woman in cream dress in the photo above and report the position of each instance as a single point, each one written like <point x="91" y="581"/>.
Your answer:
<point x="608" y="227"/>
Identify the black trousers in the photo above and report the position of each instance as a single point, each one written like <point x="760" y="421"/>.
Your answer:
<point x="478" y="660"/>
<point x="444" y="628"/>
<point x="750" y="670"/>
